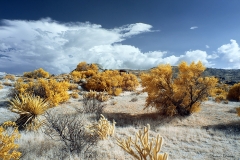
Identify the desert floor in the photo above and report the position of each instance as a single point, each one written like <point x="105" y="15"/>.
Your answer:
<point x="212" y="133"/>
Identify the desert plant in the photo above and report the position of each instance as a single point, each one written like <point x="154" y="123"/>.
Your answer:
<point x="100" y="96"/>
<point x="71" y="130"/>
<point x="39" y="73"/>
<point x="103" y="128"/>
<point x="29" y="107"/>
<point x="84" y="70"/>
<point x="238" y="111"/>
<point x="8" y="148"/>
<point x="92" y="105"/>
<point x="111" y="82"/>
<point x="10" y="77"/>
<point x="74" y="95"/>
<point x="182" y="95"/>
<point x="55" y="92"/>
<point x="141" y="148"/>
<point x="234" y="93"/>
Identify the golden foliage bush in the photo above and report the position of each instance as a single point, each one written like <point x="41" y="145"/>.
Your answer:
<point x="39" y="73"/>
<point x="29" y="107"/>
<point x="182" y="95"/>
<point x="220" y="92"/>
<point x="111" y="81"/>
<point x="100" y="96"/>
<point x="234" y="93"/>
<point x="55" y="92"/>
<point x="141" y="148"/>
<point x="74" y="95"/>
<point x="103" y="128"/>
<point x="238" y="111"/>
<point x="8" y="148"/>
<point x="84" y="70"/>
<point x="10" y="77"/>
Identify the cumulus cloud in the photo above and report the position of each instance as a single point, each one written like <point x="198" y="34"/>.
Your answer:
<point x="194" y="27"/>
<point x="59" y="47"/>
<point x="231" y="53"/>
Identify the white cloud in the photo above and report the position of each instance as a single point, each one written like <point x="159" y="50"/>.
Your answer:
<point x="231" y="53"/>
<point x="207" y="46"/>
<point x="59" y="47"/>
<point x="194" y="27"/>
<point x="196" y="55"/>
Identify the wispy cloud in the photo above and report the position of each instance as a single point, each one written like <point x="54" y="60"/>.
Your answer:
<point x="194" y="27"/>
<point x="207" y="46"/>
<point x="59" y="47"/>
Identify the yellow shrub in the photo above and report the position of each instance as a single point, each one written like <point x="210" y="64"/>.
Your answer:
<point x="74" y="95"/>
<point x="84" y="70"/>
<point x="10" y="77"/>
<point x="110" y="81"/>
<point x="73" y="87"/>
<point x="55" y="92"/>
<point x="1" y="87"/>
<point x="238" y="111"/>
<point x="7" y="142"/>
<point x="100" y="96"/>
<point x="39" y="73"/>
<point x="182" y="95"/>
<point x="117" y="91"/>
<point x="234" y="93"/>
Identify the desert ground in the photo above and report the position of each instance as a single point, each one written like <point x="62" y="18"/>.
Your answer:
<point x="212" y="133"/>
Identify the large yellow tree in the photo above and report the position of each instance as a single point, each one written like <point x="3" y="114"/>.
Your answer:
<point x="181" y="95"/>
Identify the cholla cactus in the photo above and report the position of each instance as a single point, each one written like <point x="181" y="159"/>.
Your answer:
<point x="143" y="149"/>
<point x="103" y="128"/>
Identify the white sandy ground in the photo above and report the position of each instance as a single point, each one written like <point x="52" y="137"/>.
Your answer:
<point x="212" y="133"/>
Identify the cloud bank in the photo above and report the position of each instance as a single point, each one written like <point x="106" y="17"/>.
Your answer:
<point x="59" y="47"/>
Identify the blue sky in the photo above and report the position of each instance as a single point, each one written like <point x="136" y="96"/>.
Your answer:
<point x="137" y="34"/>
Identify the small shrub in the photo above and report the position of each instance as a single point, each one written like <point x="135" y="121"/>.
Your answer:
<point x="73" y="87"/>
<point x="29" y="107"/>
<point x="71" y="130"/>
<point x="238" y="111"/>
<point x="10" y="77"/>
<point x="1" y="86"/>
<point x="8" y="148"/>
<point x="74" y="95"/>
<point x="92" y="105"/>
<point x="234" y="93"/>
<point x="103" y="128"/>
<point x="39" y="73"/>
<point x="117" y="91"/>
<point x="55" y="92"/>
<point x="100" y="96"/>
<point x="141" y="148"/>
